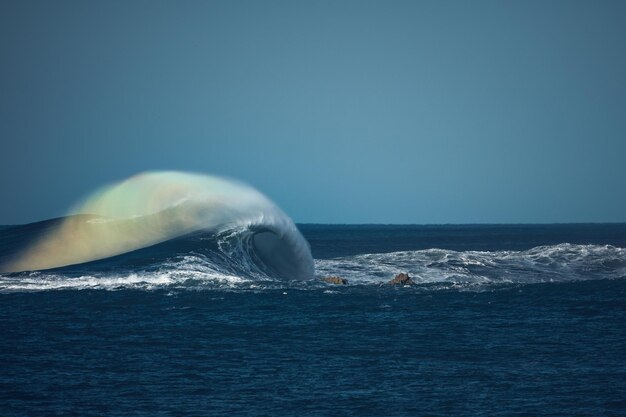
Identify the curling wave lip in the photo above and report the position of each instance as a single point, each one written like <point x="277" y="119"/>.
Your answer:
<point x="157" y="206"/>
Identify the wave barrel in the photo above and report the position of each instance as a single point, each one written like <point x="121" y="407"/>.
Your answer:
<point x="155" y="207"/>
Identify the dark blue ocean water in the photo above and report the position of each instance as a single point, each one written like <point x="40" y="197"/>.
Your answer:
<point x="504" y="320"/>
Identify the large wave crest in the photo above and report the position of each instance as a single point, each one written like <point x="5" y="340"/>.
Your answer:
<point x="155" y="207"/>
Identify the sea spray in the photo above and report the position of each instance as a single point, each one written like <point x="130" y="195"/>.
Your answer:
<point x="155" y="207"/>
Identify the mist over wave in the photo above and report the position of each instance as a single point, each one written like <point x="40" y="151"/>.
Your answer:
<point x="249" y="232"/>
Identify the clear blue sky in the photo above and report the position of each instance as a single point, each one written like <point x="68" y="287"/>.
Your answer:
<point x="340" y="111"/>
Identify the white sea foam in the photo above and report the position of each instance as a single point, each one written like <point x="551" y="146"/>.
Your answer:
<point x="186" y="272"/>
<point x="564" y="262"/>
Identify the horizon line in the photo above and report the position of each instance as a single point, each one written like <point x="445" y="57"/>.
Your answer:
<point x="462" y="224"/>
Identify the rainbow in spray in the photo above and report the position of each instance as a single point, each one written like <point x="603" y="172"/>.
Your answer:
<point x="155" y="207"/>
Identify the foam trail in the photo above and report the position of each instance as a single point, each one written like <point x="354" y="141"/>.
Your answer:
<point x="555" y="263"/>
<point x="153" y="207"/>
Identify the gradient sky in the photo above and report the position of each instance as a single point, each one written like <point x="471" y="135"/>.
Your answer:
<point x="340" y="111"/>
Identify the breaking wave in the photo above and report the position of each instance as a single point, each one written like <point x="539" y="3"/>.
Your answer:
<point x="158" y="226"/>
<point x="173" y="230"/>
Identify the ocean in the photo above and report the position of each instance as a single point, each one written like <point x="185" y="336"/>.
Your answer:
<point x="502" y="320"/>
